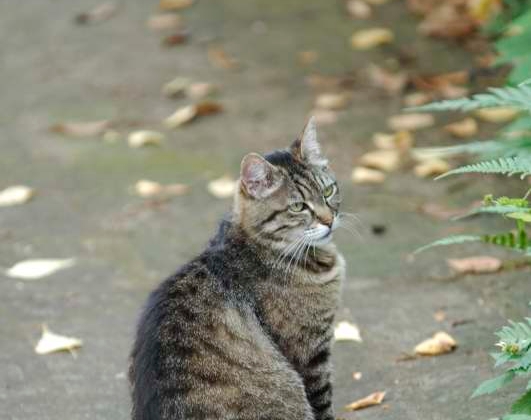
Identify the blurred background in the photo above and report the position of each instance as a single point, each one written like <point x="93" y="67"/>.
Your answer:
<point x="122" y="128"/>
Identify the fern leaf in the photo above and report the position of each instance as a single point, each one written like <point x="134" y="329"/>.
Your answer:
<point x="522" y="405"/>
<point x="518" y="97"/>
<point x="491" y="210"/>
<point x="488" y="387"/>
<point x="450" y="240"/>
<point x="506" y="166"/>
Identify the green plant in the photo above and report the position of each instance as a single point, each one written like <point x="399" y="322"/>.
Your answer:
<point x="515" y="354"/>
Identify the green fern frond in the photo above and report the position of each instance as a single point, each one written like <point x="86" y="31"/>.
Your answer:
<point x="450" y="240"/>
<point x="490" y="210"/>
<point x="518" y="97"/>
<point x="505" y="166"/>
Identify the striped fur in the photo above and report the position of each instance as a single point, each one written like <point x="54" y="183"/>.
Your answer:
<point x="243" y="330"/>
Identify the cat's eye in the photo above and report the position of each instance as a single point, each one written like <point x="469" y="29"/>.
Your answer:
<point x="329" y="191"/>
<point x="297" y="207"/>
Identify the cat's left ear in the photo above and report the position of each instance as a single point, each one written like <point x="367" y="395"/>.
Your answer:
<point x="258" y="177"/>
<point x="306" y="148"/>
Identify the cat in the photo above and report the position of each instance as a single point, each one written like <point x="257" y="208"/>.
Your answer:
<point x="243" y="331"/>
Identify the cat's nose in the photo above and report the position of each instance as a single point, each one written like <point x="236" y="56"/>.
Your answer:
<point x="326" y="218"/>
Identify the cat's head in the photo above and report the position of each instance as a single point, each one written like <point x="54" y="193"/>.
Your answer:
<point x="289" y="195"/>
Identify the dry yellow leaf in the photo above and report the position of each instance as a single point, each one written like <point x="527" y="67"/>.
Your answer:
<point x="223" y="187"/>
<point x="440" y="343"/>
<point x="164" y="22"/>
<point x="385" y="160"/>
<point x="370" y="400"/>
<point x="143" y="138"/>
<point x="346" y="331"/>
<point x="16" y="194"/>
<point x="332" y="101"/>
<point x="51" y="342"/>
<point x="200" y="90"/>
<point x="81" y="129"/>
<point x="402" y="140"/>
<point x="410" y="122"/>
<point x="181" y="116"/>
<point x="497" y="115"/>
<point x="431" y="167"/>
<point x="361" y="175"/>
<point x="358" y="9"/>
<point x="147" y="189"/>
<point x="38" y="268"/>
<point x="175" y="4"/>
<point x="476" y="265"/>
<point x="366" y="39"/>
<point x="464" y="128"/>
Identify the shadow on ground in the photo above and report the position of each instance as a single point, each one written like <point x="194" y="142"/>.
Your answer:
<point x="54" y="70"/>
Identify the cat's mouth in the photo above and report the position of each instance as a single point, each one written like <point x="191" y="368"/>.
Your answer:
<point x="321" y="235"/>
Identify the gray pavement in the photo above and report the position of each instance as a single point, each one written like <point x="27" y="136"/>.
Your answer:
<point x="53" y="70"/>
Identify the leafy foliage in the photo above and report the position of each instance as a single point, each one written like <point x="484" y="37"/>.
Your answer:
<point x="505" y="166"/>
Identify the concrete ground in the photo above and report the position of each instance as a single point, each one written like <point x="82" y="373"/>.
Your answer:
<point x="54" y="70"/>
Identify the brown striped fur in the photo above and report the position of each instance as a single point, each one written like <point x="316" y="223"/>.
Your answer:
<point x="243" y="331"/>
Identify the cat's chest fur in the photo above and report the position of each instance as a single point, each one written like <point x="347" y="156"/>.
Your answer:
<point x="298" y="311"/>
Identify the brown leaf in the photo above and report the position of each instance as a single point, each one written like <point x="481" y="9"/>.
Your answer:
<point x="370" y="400"/>
<point x="431" y="167"/>
<point x="333" y="101"/>
<point x="175" y="4"/>
<point x="99" y="14"/>
<point x="367" y="39"/>
<point x="440" y="343"/>
<point x="449" y="20"/>
<point x="178" y="38"/>
<point x="327" y="82"/>
<point x="81" y="129"/>
<point x="475" y="265"/>
<point x="410" y="122"/>
<point x="361" y="175"/>
<point x="392" y="83"/>
<point x="402" y="140"/>
<point x="164" y="22"/>
<point x="463" y="128"/>
<point x="358" y="9"/>
<point x="219" y="58"/>
<point x="497" y="115"/>
<point x="208" y="108"/>
<point x="386" y="160"/>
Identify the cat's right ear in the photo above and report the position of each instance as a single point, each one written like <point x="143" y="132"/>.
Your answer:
<point x="258" y="177"/>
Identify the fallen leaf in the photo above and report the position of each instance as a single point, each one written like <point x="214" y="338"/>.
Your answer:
<point x="177" y="38"/>
<point x="448" y="20"/>
<point x="147" y="189"/>
<point x="358" y="9"/>
<point x="497" y="115"/>
<point x="410" y="122"/>
<point x="439" y="315"/>
<point x="327" y="82"/>
<point x="440" y="343"/>
<point x="181" y="116"/>
<point x="323" y="116"/>
<point x="463" y="128"/>
<point x="200" y="90"/>
<point x="345" y="331"/>
<point x="417" y="99"/>
<point x="431" y="167"/>
<point x="375" y="398"/>
<point x="36" y="269"/>
<point x="386" y="160"/>
<point x="361" y="175"/>
<point x="402" y="140"/>
<point x="164" y="22"/>
<point x="392" y="83"/>
<point x="99" y="14"/>
<point x="306" y="58"/>
<point x="81" y="129"/>
<point x="17" y="194"/>
<point x="223" y="187"/>
<point x="333" y="101"/>
<point x="475" y="265"/>
<point x="51" y="342"/>
<point x="366" y="39"/>
<point x="144" y="138"/>
<point x="175" y="4"/>
<point x="357" y="376"/>
<point x="219" y="58"/>
<point x="176" y="87"/>
<point x="208" y="108"/>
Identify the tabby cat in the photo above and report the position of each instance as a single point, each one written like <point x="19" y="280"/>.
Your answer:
<point x="243" y="331"/>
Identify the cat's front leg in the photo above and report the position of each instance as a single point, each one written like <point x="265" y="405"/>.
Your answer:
<point x="317" y="382"/>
